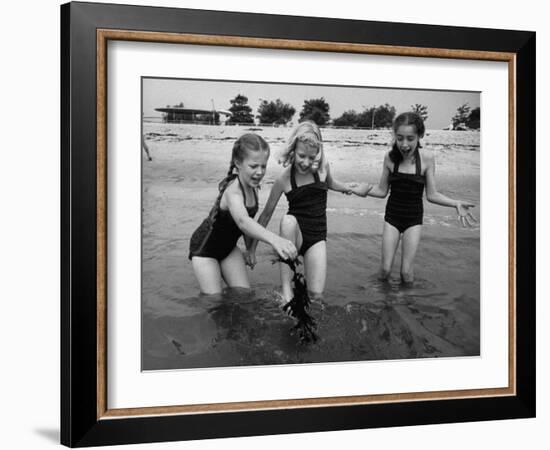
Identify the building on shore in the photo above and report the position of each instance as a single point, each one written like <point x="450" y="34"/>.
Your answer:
<point x="179" y="114"/>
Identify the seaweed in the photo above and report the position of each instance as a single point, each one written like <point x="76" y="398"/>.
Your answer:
<point x="299" y="305"/>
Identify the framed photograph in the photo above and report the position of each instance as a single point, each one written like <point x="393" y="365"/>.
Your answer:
<point x="278" y="224"/>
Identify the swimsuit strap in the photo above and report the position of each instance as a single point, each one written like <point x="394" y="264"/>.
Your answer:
<point x="214" y="211"/>
<point x="256" y="196"/>
<point x="244" y="195"/>
<point x="418" y="164"/>
<point x="292" y="178"/>
<point x="395" y="167"/>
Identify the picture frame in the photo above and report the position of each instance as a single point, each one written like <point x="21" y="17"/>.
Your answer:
<point x="86" y="418"/>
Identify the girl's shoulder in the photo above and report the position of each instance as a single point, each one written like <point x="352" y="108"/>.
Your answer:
<point x="232" y="189"/>
<point x="427" y="157"/>
<point x="324" y="171"/>
<point x="282" y="182"/>
<point x="387" y="160"/>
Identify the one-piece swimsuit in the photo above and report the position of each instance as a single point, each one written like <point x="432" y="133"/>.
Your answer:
<point x="219" y="239"/>
<point x="308" y="203"/>
<point x="405" y="206"/>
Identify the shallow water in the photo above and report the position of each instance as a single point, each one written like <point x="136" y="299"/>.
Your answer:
<point x="360" y="318"/>
<point x="249" y="328"/>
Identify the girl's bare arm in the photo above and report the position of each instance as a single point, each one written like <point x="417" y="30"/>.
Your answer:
<point x="253" y="229"/>
<point x="465" y="217"/>
<point x="267" y="213"/>
<point x="335" y="185"/>
<point x="381" y="189"/>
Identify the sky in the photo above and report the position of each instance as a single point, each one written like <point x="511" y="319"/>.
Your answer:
<point x="199" y="94"/>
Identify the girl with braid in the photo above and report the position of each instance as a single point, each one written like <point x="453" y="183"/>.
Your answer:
<point x="213" y="247"/>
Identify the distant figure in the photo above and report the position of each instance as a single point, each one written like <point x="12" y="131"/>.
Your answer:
<point x="305" y="182"/>
<point x="405" y="172"/>
<point x="146" y="148"/>
<point x="213" y="247"/>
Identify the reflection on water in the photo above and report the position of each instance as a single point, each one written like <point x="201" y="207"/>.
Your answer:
<point x="244" y="327"/>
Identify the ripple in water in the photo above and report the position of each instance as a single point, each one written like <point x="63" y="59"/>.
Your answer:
<point x="248" y="327"/>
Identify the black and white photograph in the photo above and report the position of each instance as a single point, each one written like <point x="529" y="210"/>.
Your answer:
<point x="302" y="223"/>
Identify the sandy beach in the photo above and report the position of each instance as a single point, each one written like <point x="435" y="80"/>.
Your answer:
<point x="360" y="318"/>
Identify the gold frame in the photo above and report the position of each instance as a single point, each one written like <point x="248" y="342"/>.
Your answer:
<point x="103" y="36"/>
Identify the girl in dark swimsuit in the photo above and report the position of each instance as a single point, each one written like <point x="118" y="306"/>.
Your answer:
<point x="212" y="249"/>
<point x="305" y="182"/>
<point x="406" y="172"/>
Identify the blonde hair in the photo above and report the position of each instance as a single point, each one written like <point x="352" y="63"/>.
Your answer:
<point x="309" y="133"/>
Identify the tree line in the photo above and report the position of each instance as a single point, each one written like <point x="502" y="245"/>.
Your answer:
<point x="276" y="112"/>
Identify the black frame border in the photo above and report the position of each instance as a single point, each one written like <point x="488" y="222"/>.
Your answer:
<point x="79" y="423"/>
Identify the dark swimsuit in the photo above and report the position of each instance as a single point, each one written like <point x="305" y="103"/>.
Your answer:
<point x="308" y="203"/>
<point x="405" y="207"/>
<point x="219" y="240"/>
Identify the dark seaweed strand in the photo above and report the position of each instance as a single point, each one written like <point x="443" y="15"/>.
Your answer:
<point x="298" y="306"/>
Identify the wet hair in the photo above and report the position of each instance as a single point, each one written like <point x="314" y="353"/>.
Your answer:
<point x="247" y="142"/>
<point x="407" y="118"/>
<point x="309" y="133"/>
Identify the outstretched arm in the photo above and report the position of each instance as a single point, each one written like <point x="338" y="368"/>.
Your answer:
<point x="381" y="189"/>
<point x="465" y="217"/>
<point x="267" y="213"/>
<point x="335" y="185"/>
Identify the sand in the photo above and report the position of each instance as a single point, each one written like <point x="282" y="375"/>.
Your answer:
<point x="360" y="318"/>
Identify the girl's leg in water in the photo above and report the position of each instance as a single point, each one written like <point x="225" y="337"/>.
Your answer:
<point x="390" y="240"/>
<point x="234" y="270"/>
<point x="315" y="261"/>
<point x="290" y="230"/>
<point x="208" y="273"/>
<point x="411" y="238"/>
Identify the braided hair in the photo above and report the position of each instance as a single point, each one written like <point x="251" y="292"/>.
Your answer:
<point x="407" y="118"/>
<point x="247" y="142"/>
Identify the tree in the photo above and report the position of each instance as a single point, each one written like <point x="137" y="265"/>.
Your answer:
<point x="383" y="116"/>
<point x="462" y="113"/>
<point x="241" y="112"/>
<point x="473" y="120"/>
<point x="376" y="117"/>
<point x="347" y="119"/>
<point x="315" y="109"/>
<point x="364" y="119"/>
<point x="421" y="110"/>
<point x="275" y="112"/>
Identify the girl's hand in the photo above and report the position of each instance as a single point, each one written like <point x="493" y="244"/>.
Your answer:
<point x="250" y="258"/>
<point x="361" y="189"/>
<point x="284" y="248"/>
<point x="348" y="190"/>
<point x="465" y="217"/>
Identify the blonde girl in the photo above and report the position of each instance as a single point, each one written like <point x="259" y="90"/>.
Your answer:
<point x="305" y="182"/>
